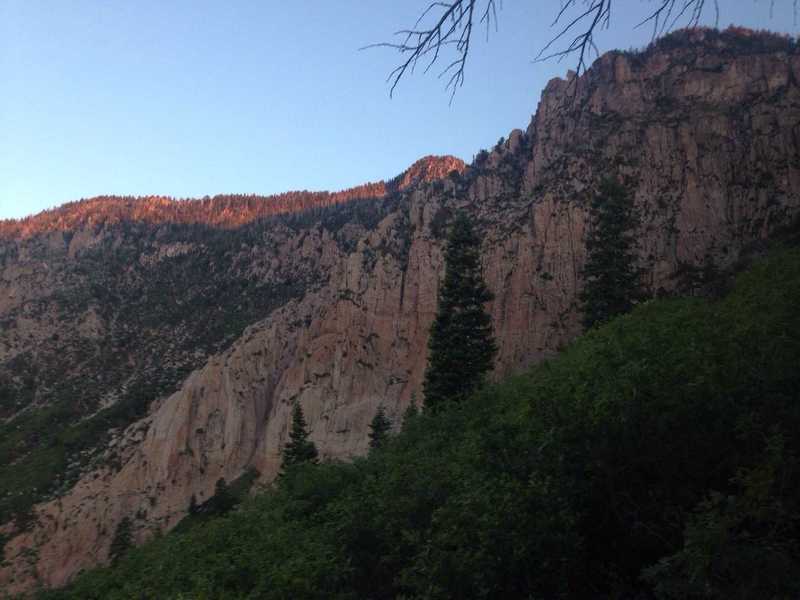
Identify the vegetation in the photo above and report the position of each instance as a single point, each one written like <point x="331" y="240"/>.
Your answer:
<point x="379" y="429"/>
<point x="36" y="448"/>
<point x="226" y="498"/>
<point x="655" y="457"/>
<point x="736" y="40"/>
<point x="461" y="348"/>
<point x="611" y="278"/>
<point x="226" y="211"/>
<point x="164" y="317"/>
<point x="122" y="540"/>
<point x="411" y="411"/>
<point x="299" y="450"/>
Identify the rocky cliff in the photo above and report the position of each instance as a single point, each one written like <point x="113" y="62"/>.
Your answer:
<point x="703" y="128"/>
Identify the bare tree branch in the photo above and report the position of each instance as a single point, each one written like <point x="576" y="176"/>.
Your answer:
<point x="447" y="25"/>
<point x="451" y="26"/>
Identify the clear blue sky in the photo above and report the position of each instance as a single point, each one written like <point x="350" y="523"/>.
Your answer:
<point x="187" y="98"/>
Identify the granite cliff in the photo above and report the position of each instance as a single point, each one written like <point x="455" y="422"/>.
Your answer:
<point x="330" y="307"/>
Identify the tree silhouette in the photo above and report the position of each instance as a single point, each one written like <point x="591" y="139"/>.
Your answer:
<point x="412" y="410"/>
<point x="461" y="348"/>
<point x="379" y="429"/>
<point x="300" y="449"/>
<point x="611" y="278"/>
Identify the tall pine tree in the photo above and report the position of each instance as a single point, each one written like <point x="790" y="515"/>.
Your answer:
<point x="411" y="411"/>
<point x="611" y="278"/>
<point x="379" y="429"/>
<point x="461" y="347"/>
<point x="300" y="449"/>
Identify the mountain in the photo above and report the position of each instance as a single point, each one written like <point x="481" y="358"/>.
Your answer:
<point x="225" y="211"/>
<point x="152" y="347"/>
<point x="655" y="458"/>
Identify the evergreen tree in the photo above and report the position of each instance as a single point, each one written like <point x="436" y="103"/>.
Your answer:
<point x="410" y="412"/>
<point x="461" y="348"/>
<point x="379" y="429"/>
<point x="299" y="449"/>
<point x="611" y="279"/>
<point x="122" y="541"/>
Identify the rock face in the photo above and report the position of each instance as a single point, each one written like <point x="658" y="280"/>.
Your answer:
<point x="703" y="129"/>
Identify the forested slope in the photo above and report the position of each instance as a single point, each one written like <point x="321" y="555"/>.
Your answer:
<point x="657" y="456"/>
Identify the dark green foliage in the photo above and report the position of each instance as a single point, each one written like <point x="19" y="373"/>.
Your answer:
<point x="226" y="498"/>
<point x="35" y="448"/>
<point x="243" y="484"/>
<point x="299" y="450"/>
<point x="438" y="224"/>
<point x="411" y="411"/>
<point x="752" y="531"/>
<point x="655" y="457"/>
<point x="611" y="279"/>
<point x="379" y="429"/>
<point x="122" y="541"/>
<point x="222" y="500"/>
<point x="461" y="348"/>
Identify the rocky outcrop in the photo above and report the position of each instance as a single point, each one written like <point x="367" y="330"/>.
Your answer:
<point x="705" y="134"/>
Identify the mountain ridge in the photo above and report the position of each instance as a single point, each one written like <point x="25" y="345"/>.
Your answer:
<point x="705" y="138"/>
<point x="223" y="210"/>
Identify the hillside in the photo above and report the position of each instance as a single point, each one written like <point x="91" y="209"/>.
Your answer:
<point x="132" y="295"/>
<point x="655" y="457"/>
<point x="147" y="352"/>
<point x="224" y="211"/>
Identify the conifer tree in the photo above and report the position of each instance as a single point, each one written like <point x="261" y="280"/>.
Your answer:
<point x="299" y="449"/>
<point x="611" y="279"/>
<point x="411" y="411"/>
<point x="379" y="429"/>
<point x="461" y="347"/>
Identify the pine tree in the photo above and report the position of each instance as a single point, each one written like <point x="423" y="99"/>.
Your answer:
<point x="122" y="541"/>
<point x="411" y="411"/>
<point x="379" y="429"/>
<point x="611" y="279"/>
<point x="461" y="348"/>
<point x="299" y="449"/>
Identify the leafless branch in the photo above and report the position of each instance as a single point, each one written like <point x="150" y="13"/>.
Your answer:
<point x="671" y="13"/>
<point x="441" y="25"/>
<point x="448" y="25"/>
<point x="596" y="14"/>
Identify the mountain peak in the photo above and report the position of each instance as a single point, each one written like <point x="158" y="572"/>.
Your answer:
<point x="429" y="168"/>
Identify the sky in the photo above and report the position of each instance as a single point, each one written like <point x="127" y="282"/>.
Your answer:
<point x="193" y="98"/>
